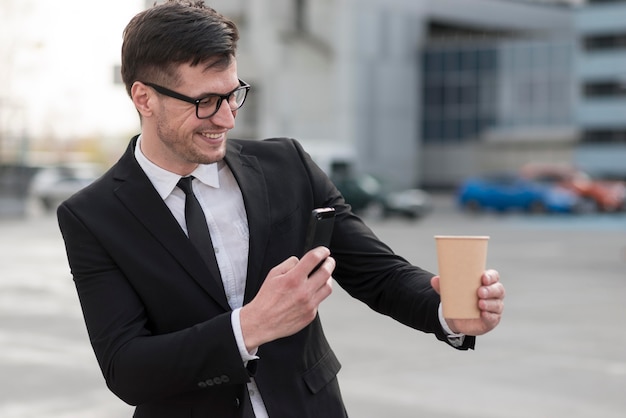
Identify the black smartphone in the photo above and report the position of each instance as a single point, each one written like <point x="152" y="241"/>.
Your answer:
<point x="320" y="230"/>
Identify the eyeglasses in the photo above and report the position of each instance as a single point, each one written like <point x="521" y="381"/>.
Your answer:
<point x="208" y="105"/>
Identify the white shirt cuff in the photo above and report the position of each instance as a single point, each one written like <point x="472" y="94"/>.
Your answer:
<point x="243" y="351"/>
<point x="456" y="340"/>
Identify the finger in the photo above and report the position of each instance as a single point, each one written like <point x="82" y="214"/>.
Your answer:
<point x="312" y="259"/>
<point x="495" y="306"/>
<point x="285" y="266"/>
<point x="495" y="291"/>
<point x="323" y="273"/>
<point x="320" y="283"/>
<point x="490" y="319"/>
<point x="490" y="277"/>
<point x="434" y="282"/>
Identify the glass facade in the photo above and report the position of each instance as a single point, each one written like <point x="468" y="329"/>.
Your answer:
<point x="458" y="93"/>
<point x="468" y="88"/>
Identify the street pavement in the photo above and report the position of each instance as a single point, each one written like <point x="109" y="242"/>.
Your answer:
<point x="559" y="351"/>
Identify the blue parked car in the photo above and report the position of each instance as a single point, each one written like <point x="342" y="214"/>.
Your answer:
<point x="509" y="192"/>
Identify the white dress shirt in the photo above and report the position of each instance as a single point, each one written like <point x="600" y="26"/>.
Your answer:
<point x="219" y="195"/>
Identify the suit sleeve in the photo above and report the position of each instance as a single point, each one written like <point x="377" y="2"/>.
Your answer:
<point x="371" y="272"/>
<point x="138" y="365"/>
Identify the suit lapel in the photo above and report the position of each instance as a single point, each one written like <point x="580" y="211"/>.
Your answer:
<point x="251" y="181"/>
<point x="138" y="195"/>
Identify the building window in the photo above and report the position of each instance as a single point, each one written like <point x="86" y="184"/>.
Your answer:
<point x="605" y="1"/>
<point x="605" y="42"/>
<point x="605" y="136"/>
<point x="457" y="93"/>
<point x="467" y="89"/>
<point x="604" y="89"/>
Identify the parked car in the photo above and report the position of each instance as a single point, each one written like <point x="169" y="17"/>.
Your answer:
<point x="601" y="195"/>
<point x="52" y="185"/>
<point x="503" y="192"/>
<point x="367" y="195"/>
<point x="410" y="203"/>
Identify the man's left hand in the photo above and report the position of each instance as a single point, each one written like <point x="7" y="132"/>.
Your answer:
<point x="490" y="302"/>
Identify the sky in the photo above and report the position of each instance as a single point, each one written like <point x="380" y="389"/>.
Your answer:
<point x="58" y="67"/>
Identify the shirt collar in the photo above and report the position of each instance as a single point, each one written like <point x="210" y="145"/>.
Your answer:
<point x="165" y="181"/>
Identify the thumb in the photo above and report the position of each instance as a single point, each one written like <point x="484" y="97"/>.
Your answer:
<point x="434" y="282"/>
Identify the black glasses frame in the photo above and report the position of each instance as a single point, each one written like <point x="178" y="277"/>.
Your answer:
<point x="220" y="97"/>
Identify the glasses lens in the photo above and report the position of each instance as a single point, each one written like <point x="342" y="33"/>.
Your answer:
<point x="236" y="99"/>
<point x="209" y="106"/>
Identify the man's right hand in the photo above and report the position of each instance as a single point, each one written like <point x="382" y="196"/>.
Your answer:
<point x="288" y="299"/>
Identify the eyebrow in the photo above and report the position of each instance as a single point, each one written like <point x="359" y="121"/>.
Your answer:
<point x="203" y="95"/>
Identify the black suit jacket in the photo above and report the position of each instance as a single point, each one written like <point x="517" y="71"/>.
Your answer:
<point x="157" y="316"/>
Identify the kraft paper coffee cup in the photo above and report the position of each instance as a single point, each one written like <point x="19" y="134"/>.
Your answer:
<point x="462" y="260"/>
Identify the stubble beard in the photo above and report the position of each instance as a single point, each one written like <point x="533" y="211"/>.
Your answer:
<point x="185" y="149"/>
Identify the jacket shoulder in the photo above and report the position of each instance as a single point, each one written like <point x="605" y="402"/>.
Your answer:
<point x="267" y="143"/>
<point x="276" y="150"/>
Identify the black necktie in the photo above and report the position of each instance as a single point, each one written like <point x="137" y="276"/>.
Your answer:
<point x="197" y="228"/>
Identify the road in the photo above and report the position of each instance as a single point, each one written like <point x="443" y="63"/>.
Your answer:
<point x="559" y="351"/>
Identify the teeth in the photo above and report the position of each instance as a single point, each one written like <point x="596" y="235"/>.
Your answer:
<point x="212" y="136"/>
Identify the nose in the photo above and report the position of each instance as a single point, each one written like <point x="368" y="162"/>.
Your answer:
<point x="224" y="117"/>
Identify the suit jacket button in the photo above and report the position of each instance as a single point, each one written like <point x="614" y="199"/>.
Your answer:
<point x="202" y="385"/>
<point x="225" y="379"/>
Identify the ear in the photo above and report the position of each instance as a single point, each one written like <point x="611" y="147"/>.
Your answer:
<point x="142" y="97"/>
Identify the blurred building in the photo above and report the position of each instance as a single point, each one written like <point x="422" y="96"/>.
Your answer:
<point x="427" y="92"/>
<point x="498" y="88"/>
<point x="416" y="92"/>
<point x="601" y="74"/>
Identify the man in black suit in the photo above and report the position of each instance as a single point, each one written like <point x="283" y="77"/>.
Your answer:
<point x="230" y="329"/>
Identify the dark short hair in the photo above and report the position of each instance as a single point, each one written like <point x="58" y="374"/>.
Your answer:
<point x="176" y="32"/>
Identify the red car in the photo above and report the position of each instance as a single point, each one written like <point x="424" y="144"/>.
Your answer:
<point x="604" y="195"/>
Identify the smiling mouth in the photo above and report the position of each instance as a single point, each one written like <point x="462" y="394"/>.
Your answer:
<point x="211" y="136"/>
